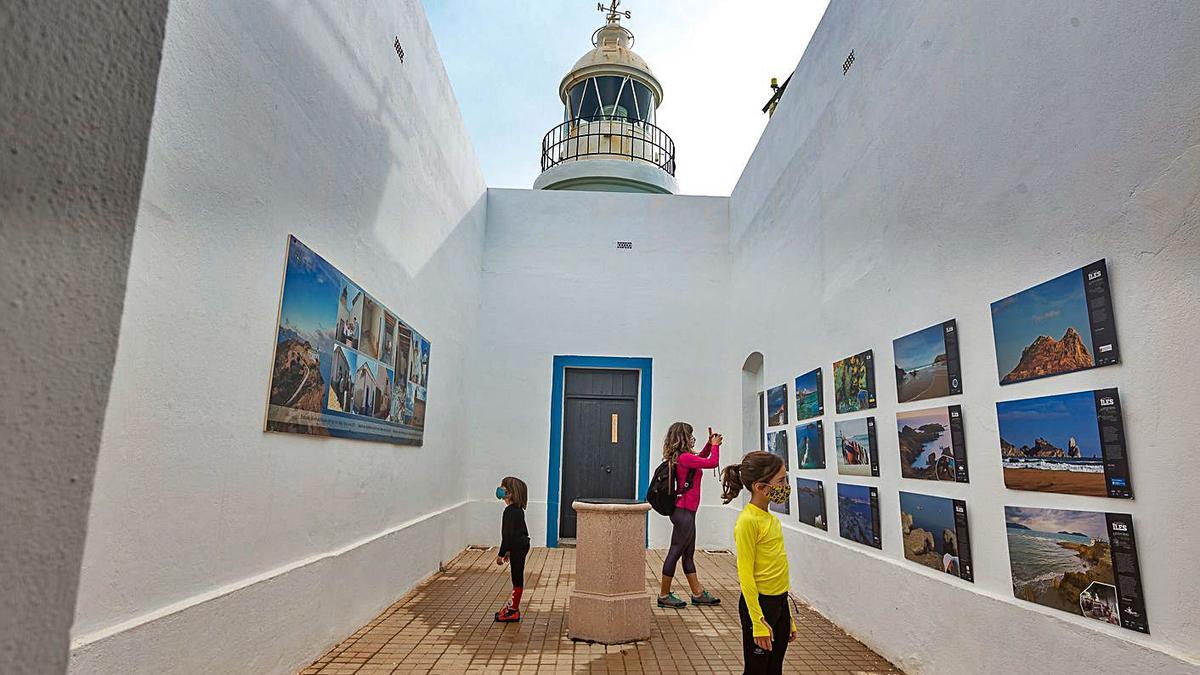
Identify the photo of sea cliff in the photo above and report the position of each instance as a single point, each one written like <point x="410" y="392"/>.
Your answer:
<point x="852" y="439"/>
<point x="1044" y="330"/>
<point x="810" y="446"/>
<point x="926" y="447"/>
<point x="809" y="399"/>
<point x="777" y="408"/>
<point x="1062" y="559"/>
<point x="930" y="535"/>
<point x="1052" y="444"/>
<point x="922" y="367"/>
<point x="810" y="499"/>
<point x="856" y="519"/>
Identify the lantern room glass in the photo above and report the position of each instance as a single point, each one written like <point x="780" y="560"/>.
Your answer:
<point x="610" y="96"/>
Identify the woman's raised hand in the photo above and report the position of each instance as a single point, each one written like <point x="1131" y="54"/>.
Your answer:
<point x="714" y="439"/>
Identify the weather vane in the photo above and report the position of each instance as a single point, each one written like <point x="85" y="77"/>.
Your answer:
<point x="613" y="13"/>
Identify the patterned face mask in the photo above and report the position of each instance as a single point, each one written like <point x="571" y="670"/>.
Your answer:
<point x="780" y="494"/>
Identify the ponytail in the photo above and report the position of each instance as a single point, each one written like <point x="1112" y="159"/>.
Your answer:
<point x="756" y="467"/>
<point x="731" y="482"/>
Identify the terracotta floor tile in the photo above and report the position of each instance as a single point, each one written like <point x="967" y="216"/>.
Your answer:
<point x="446" y="626"/>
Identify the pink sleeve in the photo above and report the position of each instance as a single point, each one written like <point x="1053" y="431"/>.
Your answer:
<point x="707" y="459"/>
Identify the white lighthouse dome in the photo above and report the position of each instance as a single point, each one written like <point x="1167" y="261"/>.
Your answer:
<point x="609" y="139"/>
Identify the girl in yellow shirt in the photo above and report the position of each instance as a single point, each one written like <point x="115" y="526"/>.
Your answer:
<point x="767" y="625"/>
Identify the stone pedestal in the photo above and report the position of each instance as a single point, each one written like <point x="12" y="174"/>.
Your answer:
<point x="609" y="603"/>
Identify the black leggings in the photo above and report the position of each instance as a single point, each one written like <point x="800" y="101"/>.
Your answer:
<point x="516" y="565"/>
<point x="779" y="617"/>
<point x="683" y="542"/>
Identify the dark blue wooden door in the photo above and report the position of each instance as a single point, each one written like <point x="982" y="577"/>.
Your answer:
<point x="599" y="439"/>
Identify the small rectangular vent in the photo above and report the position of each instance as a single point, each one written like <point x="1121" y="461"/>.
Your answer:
<point x="848" y="62"/>
<point x="624" y="244"/>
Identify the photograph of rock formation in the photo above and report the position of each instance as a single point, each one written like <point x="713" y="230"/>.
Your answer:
<point x="1052" y="444"/>
<point x="930" y="533"/>
<point x="1044" y="330"/>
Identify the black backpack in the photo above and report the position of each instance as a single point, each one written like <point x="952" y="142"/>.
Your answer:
<point x="663" y="490"/>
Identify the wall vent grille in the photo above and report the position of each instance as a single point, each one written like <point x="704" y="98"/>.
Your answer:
<point x="624" y="244"/>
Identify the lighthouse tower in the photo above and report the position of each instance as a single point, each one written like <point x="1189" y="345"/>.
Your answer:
<point x="608" y="140"/>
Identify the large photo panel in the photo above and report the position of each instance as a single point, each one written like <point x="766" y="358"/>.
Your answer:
<point x="1081" y="562"/>
<point x="344" y="364"/>
<point x="1059" y="326"/>
<point x="1071" y="443"/>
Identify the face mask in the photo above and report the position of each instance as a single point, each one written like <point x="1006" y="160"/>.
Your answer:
<point x="501" y="493"/>
<point x="780" y="494"/>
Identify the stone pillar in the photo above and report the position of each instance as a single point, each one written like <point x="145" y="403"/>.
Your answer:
<point x="609" y="603"/>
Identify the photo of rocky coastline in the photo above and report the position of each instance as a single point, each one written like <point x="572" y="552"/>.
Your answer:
<point x="810" y="499"/>
<point x="810" y="445"/>
<point x="856" y="514"/>
<point x="1062" y="559"/>
<point x="927" y="524"/>
<point x="809" y="398"/>
<point x="926" y="446"/>
<point x="1052" y="444"/>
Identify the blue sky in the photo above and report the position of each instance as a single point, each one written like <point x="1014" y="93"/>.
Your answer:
<point x="1054" y="418"/>
<point x="505" y="59"/>
<point x="806" y="382"/>
<point x="1046" y="309"/>
<point x="1091" y="523"/>
<point x="918" y="349"/>
<point x="310" y="292"/>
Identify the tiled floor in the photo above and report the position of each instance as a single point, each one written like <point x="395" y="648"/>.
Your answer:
<point x="445" y="626"/>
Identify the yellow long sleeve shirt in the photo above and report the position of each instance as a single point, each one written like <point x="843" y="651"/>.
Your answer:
<point x="761" y="561"/>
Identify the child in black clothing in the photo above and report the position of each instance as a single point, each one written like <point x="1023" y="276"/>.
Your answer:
<point x="514" y="542"/>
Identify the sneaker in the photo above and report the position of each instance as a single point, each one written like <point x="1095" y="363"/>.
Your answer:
<point x="705" y="598"/>
<point x="508" y="615"/>
<point x="669" y="600"/>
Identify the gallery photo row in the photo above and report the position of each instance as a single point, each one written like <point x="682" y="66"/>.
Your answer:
<point x="345" y="365"/>
<point x="1082" y="562"/>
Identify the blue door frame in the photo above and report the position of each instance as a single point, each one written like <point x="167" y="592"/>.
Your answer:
<point x="554" y="482"/>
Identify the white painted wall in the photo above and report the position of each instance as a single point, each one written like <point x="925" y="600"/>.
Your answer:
<point x="213" y="546"/>
<point x="78" y="95"/>
<point x="554" y="283"/>
<point x="973" y="150"/>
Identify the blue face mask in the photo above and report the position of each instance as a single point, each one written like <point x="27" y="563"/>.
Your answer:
<point x="501" y="493"/>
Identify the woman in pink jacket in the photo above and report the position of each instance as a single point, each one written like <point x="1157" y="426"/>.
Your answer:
<point x="677" y="449"/>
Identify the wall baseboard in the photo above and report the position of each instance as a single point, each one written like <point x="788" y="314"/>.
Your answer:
<point x="283" y="619"/>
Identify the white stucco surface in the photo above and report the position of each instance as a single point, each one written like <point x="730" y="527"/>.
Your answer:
<point x="554" y="283"/>
<point x="973" y="150"/>
<point x="213" y="546"/>
<point x="76" y="97"/>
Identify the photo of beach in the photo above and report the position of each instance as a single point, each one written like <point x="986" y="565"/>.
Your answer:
<point x="922" y="365"/>
<point x="857" y="514"/>
<point x="777" y="409"/>
<point x="926" y="445"/>
<point x="777" y="444"/>
<point x="1052" y="444"/>
<point x="810" y="502"/>
<point x="852" y="439"/>
<point x="854" y="383"/>
<point x="809" y="398"/>
<point x="930" y="532"/>
<point x="1045" y="330"/>
<point x="1063" y="559"/>
<point x="810" y="445"/>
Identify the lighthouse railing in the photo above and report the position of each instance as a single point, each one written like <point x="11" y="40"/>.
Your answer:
<point x="608" y="137"/>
